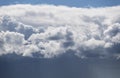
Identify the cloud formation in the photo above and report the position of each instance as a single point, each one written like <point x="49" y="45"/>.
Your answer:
<point x="48" y="31"/>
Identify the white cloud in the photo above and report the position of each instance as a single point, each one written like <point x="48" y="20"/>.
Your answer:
<point x="48" y="30"/>
<point x="11" y="42"/>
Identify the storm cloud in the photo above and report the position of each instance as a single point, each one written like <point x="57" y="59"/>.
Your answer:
<point x="47" y="31"/>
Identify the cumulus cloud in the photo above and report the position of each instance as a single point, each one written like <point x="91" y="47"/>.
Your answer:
<point x="11" y="42"/>
<point x="49" y="31"/>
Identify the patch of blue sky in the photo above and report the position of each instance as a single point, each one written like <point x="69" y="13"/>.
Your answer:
<point x="72" y="3"/>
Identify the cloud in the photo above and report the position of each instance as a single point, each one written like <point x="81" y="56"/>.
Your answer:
<point x="49" y="31"/>
<point x="11" y="42"/>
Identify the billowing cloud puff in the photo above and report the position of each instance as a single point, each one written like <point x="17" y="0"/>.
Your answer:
<point x="48" y="31"/>
<point x="11" y="42"/>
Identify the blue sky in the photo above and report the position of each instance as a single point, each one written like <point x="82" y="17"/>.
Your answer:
<point x="73" y="3"/>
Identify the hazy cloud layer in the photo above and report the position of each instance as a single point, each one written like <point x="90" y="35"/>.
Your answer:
<point x="48" y="31"/>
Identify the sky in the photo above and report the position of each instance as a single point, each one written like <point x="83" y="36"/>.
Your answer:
<point x="60" y="38"/>
<point x="72" y="3"/>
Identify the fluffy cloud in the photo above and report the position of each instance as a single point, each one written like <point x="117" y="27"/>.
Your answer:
<point x="48" y="31"/>
<point x="11" y="42"/>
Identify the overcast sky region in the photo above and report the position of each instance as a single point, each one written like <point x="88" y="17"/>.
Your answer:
<point x="60" y="39"/>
